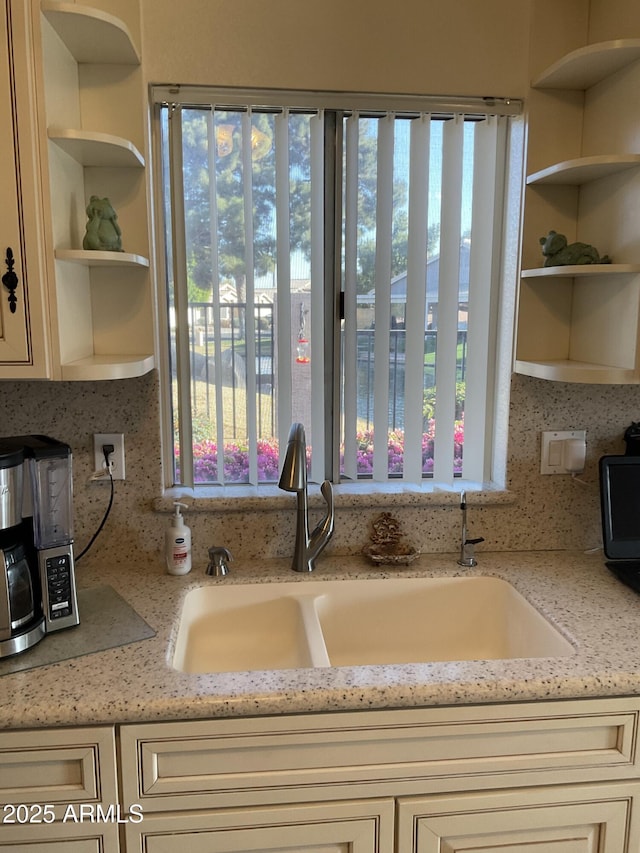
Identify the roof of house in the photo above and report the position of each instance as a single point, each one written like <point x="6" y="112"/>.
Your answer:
<point x="399" y="282"/>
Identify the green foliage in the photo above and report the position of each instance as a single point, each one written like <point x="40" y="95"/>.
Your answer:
<point x="202" y="427"/>
<point x="220" y="142"/>
<point x="429" y="402"/>
<point x="222" y="145"/>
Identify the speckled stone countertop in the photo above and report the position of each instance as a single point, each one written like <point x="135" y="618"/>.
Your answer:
<point x="136" y="682"/>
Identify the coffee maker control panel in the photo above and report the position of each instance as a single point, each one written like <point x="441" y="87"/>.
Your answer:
<point x="58" y="587"/>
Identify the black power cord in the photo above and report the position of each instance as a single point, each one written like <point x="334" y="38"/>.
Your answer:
<point x="107" y="450"/>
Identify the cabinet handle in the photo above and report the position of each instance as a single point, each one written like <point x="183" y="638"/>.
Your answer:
<point x="10" y="280"/>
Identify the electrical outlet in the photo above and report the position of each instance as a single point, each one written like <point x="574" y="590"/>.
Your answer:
<point x="552" y="458"/>
<point x="117" y="457"/>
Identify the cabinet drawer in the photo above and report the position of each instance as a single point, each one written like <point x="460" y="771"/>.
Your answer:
<point x="58" y="767"/>
<point x="357" y="827"/>
<point x="60" y="838"/>
<point x="328" y="756"/>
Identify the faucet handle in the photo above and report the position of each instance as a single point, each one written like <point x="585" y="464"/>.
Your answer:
<point x="219" y="559"/>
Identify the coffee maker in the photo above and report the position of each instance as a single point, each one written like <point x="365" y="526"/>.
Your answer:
<point x="37" y="577"/>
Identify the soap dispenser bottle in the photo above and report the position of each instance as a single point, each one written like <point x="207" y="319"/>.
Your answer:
<point x="178" y="543"/>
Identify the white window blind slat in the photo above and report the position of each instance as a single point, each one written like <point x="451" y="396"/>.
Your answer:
<point x="350" y="348"/>
<point x="316" y="128"/>
<point x="384" y="226"/>
<point x="182" y="350"/>
<point x="415" y="314"/>
<point x="489" y="148"/>
<point x="215" y="282"/>
<point x="283" y="280"/>
<point x="448" y="293"/>
<point x="250" y="301"/>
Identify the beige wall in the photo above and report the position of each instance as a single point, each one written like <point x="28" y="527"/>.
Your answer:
<point x="454" y="47"/>
<point x="461" y="47"/>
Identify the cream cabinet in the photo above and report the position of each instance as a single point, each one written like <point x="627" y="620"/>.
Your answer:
<point x="52" y="784"/>
<point x="582" y="323"/>
<point x="23" y="296"/>
<point x="561" y="775"/>
<point x="353" y="827"/>
<point x="572" y="819"/>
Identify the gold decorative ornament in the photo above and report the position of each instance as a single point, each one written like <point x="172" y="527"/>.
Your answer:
<point x="388" y="545"/>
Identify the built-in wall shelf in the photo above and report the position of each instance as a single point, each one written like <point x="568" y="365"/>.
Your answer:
<point x="101" y="259"/>
<point x="580" y="323"/>
<point x="566" y="370"/>
<point x="581" y="271"/>
<point x="91" y="35"/>
<point x="588" y="65"/>
<point x="98" y="367"/>
<point x="91" y="148"/>
<point x="95" y="102"/>
<point x="581" y="170"/>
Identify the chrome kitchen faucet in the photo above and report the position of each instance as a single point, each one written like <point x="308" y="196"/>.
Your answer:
<point x="294" y="479"/>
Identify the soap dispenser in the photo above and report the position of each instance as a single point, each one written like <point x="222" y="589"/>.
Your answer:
<point x="177" y="543"/>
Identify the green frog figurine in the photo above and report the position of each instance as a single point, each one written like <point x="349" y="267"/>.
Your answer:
<point x="559" y="252"/>
<point x="103" y="232"/>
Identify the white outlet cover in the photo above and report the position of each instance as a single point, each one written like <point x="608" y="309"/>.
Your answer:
<point x="551" y="449"/>
<point x="117" y="439"/>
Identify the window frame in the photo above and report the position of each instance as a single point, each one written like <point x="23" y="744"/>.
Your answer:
<point x="502" y="318"/>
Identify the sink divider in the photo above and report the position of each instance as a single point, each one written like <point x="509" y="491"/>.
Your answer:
<point x="313" y="628"/>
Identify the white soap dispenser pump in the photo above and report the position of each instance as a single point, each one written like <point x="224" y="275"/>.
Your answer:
<point x="178" y="543"/>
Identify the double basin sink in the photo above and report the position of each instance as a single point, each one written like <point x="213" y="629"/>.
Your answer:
<point x="289" y="625"/>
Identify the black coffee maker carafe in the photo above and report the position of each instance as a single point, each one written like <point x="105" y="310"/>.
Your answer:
<point x="37" y="581"/>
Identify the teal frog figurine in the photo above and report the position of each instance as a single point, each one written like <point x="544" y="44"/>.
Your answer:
<point x="103" y="232"/>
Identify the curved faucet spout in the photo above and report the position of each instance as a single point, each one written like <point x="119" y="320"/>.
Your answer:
<point x="293" y="478"/>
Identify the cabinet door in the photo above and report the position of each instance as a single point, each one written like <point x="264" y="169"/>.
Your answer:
<point x="63" y="768"/>
<point x="68" y="837"/>
<point x="566" y="819"/>
<point x="22" y="292"/>
<point x="351" y="827"/>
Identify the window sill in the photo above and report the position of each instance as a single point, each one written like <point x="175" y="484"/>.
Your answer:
<point x="346" y="495"/>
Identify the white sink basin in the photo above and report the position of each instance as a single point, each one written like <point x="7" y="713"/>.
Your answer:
<point x="413" y="620"/>
<point x="237" y="628"/>
<point x="358" y="622"/>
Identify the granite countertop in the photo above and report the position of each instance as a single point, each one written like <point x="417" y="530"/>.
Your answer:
<point x="135" y="682"/>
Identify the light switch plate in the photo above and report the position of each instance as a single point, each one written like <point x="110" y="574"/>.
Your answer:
<point x="551" y="455"/>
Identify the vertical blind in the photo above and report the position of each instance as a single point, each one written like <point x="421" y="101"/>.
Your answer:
<point x="452" y="167"/>
<point x="478" y="148"/>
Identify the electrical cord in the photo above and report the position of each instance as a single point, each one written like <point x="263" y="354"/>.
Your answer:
<point x="107" y="449"/>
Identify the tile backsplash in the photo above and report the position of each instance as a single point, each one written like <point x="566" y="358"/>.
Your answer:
<point x="544" y="512"/>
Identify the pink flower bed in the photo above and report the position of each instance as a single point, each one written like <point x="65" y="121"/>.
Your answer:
<point x="236" y="456"/>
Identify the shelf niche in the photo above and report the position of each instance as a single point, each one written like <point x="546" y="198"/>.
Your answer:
<point x="582" y="170"/>
<point x="586" y="66"/>
<point x="91" y="35"/>
<point x="91" y="148"/>
<point x="580" y="323"/>
<point x="104" y="300"/>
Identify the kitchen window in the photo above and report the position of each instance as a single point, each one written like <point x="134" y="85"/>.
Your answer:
<point x="335" y="260"/>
